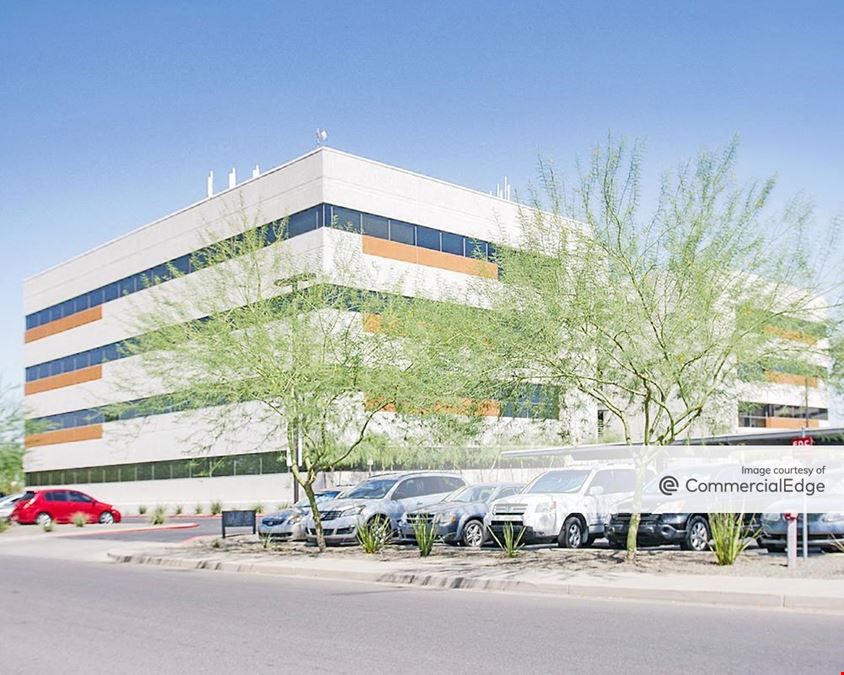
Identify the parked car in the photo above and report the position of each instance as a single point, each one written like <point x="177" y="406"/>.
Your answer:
<point x="381" y="499"/>
<point x="569" y="506"/>
<point x="46" y="506"/>
<point x="690" y="530"/>
<point x="825" y="529"/>
<point x="289" y="524"/>
<point x="459" y="518"/>
<point x="7" y="503"/>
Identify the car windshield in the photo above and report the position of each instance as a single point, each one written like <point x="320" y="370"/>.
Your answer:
<point x="320" y="497"/>
<point x="377" y="488"/>
<point x="471" y="493"/>
<point x="558" y="482"/>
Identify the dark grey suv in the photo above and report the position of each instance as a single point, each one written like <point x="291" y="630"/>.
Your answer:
<point x="459" y="519"/>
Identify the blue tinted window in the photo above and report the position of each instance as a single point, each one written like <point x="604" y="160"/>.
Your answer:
<point x="402" y="232"/>
<point x="452" y="243"/>
<point x="95" y="297"/>
<point x="299" y="223"/>
<point x="80" y="361"/>
<point x="110" y="352"/>
<point x="475" y="248"/>
<point x="182" y="264"/>
<point x="67" y="308"/>
<point x="81" y="303"/>
<point x="427" y="237"/>
<point x="110" y="292"/>
<point x="30" y="322"/>
<point x="345" y="219"/>
<point x="125" y="286"/>
<point x="55" y="312"/>
<point x="491" y="252"/>
<point x="376" y="226"/>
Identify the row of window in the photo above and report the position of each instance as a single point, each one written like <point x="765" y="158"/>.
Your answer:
<point x="298" y="223"/>
<point x="66" y="364"/>
<point x="756" y="414"/>
<point x="195" y="467"/>
<point x="537" y="403"/>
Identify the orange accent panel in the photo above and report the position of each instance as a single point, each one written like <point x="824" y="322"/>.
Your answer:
<point x="789" y="423"/>
<point x="65" y="323"/>
<point x="424" y="256"/>
<point x="789" y="378"/>
<point x="389" y="249"/>
<point x="371" y="322"/>
<point x="786" y="334"/>
<point x="64" y="380"/>
<point x="87" y="433"/>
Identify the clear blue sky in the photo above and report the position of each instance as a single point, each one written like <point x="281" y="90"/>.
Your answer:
<point x="112" y="113"/>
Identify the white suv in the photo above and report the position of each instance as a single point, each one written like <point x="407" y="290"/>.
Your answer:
<point x="569" y="506"/>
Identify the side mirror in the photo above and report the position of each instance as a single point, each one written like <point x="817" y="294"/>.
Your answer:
<point x="596" y="490"/>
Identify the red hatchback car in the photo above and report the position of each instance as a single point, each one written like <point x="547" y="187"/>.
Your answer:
<point x="42" y="507"/>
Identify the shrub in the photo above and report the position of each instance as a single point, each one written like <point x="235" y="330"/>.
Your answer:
<point x="177" y="510"/>
<point x="374" y="534"/>
<point x="266" y="540"/>
<point x="511" y="543"/>
<point x="142" y="510"/>
<point x="198" y="509"/>
<point x="158" y="516"/>
<point x="258" y="508"/>
<point x="426" y="535"/>
<point x="4" y="525"/>
<point x="79" y="519"/>
<point x="216" y="543"/>
<point x="729" y="540"/>
<point x="216" y="508"/>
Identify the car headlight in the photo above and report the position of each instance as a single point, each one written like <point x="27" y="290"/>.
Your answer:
<point x="677" y="518"/>
<point x="445" y="518"/>
<point x="836" y="517"/>
<point x="546" y="507"/>
<point x="294" y="519"/>
<point x="352" y="511"/>
<point x="772" y="517"/>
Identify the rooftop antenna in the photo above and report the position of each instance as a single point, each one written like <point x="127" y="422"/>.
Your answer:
<point x="321" y="136"/>
<point x="256" y="171"/>
<point x="232" y="179"/>
<point x="209" y="185"/>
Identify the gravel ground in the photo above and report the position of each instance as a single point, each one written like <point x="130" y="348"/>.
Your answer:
<point x="753" y="563"/>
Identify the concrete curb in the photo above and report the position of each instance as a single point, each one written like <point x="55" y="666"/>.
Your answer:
<point x="756" y="599"/>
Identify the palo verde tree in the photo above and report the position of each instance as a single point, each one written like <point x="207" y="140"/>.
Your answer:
<point x="287" y="349"/>
<point x="664" y="319"/>
<point x="11" y="441"/>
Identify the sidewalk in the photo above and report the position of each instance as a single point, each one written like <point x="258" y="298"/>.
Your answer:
<point x="738" y="591"/>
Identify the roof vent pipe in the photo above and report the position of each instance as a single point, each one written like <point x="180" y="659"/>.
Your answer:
<point x="232" y="179"/>
<point x="209" y="185"/>
<point x="256" y="171"/>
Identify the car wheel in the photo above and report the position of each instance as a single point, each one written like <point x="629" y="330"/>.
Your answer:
<point x="697" y="535"/>
<point x="572" y="535"/>
<point x="384" y="522"/>
<point x="473" y="534"/>
<point x="775" y="548"/>
<point x="43" y="519"/>
<point x="107" y="518"/>
<point x="617" y="544"/>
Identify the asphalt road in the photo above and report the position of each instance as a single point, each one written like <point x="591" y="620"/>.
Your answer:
<point x="204" y="526"/>
<point x="72" y="617"/>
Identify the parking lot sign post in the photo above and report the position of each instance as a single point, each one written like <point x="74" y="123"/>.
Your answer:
<point x="806" y="442"/>
<point x="791" y="539"/>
